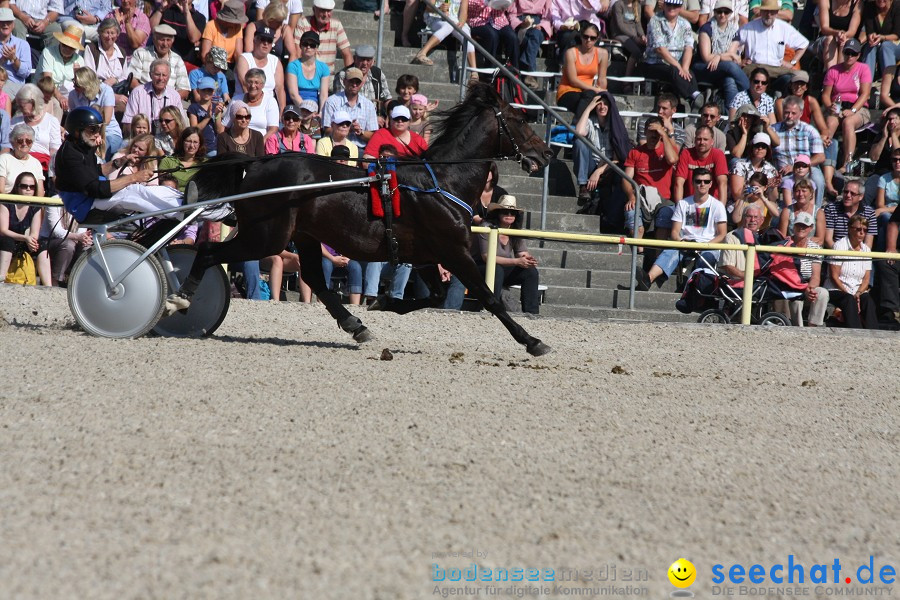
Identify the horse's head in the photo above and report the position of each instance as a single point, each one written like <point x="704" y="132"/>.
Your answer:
<point x="518" y="139"/>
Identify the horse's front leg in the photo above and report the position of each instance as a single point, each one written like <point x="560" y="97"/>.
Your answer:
<point x="467" y="272"/>
<point x="311" y="272"/>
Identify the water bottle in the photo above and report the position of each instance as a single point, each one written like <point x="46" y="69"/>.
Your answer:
<point x="836" y="105"/>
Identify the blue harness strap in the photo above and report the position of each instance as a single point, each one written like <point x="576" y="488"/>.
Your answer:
<point x="437" y="190"/>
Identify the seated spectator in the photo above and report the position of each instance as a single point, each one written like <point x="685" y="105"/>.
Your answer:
<point x="47" y="139"/>
<point x="332" y="259"/>
<point x="848" y="278"/>
<point x="288" y="261"/>
<point x="187" y="23"/>
<point x="407" y="87"/>
<point x="151" y="97"/>
<point x="887" y="199"/>
<point x="5" y="100"/>
<point x="19" y="161"/>
<point x="531" y="19"/>
<point x="375" y="84"/>
<point x="16" y="54"/>
<point x="690" y="10"/>
<point x="290" y="138"/>
<point x="143" y="59"/>
<point x="716" y="63"/>
<point x="815" y="297"/>
<point x="601" y="124"/>
<point x="338" y="135"/>
<point x="213" y="68"/>
<point x="20" y="225"/>
<point x="881" y="151"/>
<point x="839" y="214"/>
<point x="140" y="124"/>
<point x="419" y="123"/>
<point x="206" y="115"/>
<point x="90" y="91"/>
<point x="172" y="122"/>
<point x="846" y="98"/>
<point x="140" y="154"/>
<point x="263" y="107"/>
<point x="756" y="96"/>
<point x="625" y="27"/>
<point x="410" y="8"/>
<point x="697" y="218"/>
<point x="238" y="135"/>
<point x="733" y="263"/>
<point x="889" y="96"/>
<point x="332" y="38"/>
<point x="798" y="138"/>
<point x="490" y="28"/>
<point x="63" y="238"/>
<point x="515" y="265"/>
<point x="260" y="59"/>
<point x="812" y="109"/>
<point x="670" y="49"/>
<point x="567" y="17"/>
<point x="190" y="151"/>
<point x="666" y="104"/>
<point x="310" y="120"/>
<point x="756" y="195"/>
<point x="38" y="18"/>
<point x="307" y="77"/>
<point x="709" y="116"/>
<point x="801" y="171"/>
<point x="881" y="21"/>
<point x="275" y="17"/>
<point x="785" y="10"/>
<point x="745" y="125"/>
<point x="60" y="62"/>
<point x="759" y="162"/>
<point x="651" y="165"/>
<point x="87" y="14"/>
<point x="771" y="43"/>
<point x="397" y="134"/>
<point x="888" y="280"/>
<point x="702" y="155"/>
<point x="361" y="110"/>
<point x="458" y="11"/>
<point x="225" y="32"/>
<point x="835" y="30"/>
<point x="583" y="72"/>
<point x="49" y="90"/>
<point x="107" y="59"/>
<point x="134" y="26"/>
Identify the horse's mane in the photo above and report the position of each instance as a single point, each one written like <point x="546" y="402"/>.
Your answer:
<point x="449" y="125"/>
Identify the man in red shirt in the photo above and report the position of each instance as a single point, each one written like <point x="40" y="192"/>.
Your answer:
<point x="650" y="165"/>
<point x="408" y="143"/>
<point x="702" y="155"/>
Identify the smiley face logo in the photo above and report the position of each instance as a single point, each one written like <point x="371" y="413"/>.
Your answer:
<point x="682" y="573"/>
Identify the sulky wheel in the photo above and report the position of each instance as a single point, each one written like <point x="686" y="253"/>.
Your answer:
<point x="209" y="305"/>
<point x="714" y="315"/>
<point x="133" y="307"/>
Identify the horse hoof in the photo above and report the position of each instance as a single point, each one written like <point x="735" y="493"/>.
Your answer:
<point x="362" y="335"/>
<point x="539" y="349"/>
<point x="380" y="303"/>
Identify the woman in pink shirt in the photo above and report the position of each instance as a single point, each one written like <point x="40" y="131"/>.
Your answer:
<point x="846" y="97"/>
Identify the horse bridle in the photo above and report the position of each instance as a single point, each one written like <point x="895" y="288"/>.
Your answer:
<point x="503" y="128"/>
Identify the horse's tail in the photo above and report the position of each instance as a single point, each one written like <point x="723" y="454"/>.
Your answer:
<point x="221" y="175"/>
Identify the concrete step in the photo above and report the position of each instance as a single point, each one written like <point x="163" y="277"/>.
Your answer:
<point x="615" y="314"/>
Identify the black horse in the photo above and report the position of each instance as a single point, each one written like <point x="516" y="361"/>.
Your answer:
<point x="430" y="230"/>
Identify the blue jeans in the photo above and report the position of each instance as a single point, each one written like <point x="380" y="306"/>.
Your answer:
<point x="531" y="47"/>
<point x="728" y="74"/>
<point x="819" y="179"/>
<point x="669" y="259"/>
<point x="372" y="278"/>
<point x="886" y="54"/>
<point x="113" y="144"/>
<point x="456" y="293"/>
<point x="354" y="275"/>
<point x="491" y="39"/>
<point x="583" y="162"/>
<point x="250" y="269"/>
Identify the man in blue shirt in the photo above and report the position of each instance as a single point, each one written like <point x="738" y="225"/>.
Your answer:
<point x="15" y="54"/>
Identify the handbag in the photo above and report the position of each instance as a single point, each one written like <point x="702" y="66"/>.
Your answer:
<point x="123" y="88"/>
<point x="21" y="270"/>
<point x="649" y="199"/>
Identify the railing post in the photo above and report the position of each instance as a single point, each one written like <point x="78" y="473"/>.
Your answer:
<point x="461" y="73"/>
<point x="545" y="190"/>
<point x="384" y="15"/>
<point x="749" y="264"/>
<point x="491" y="263"/>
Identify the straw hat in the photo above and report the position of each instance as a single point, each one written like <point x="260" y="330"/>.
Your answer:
<point x="71" y="37"/>
<point x="505" y="202"/>
<point x="770" y="5"/>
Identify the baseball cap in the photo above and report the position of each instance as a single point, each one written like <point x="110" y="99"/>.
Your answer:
<point x="723" y="4"/>
<point x="419" y="99"/>
<point x="800" y="76"/>
<point x="802" y="158"/>
<point x="310" y="37"/>
<point x="291" y="108"/>
<point x="400" y="111"/>
<point x="6" y="14"/>
<point x="206" y="83"/>
<point x="803" y="218"/>
<point x="365" y="51"/>
<point x="852" y="45"/>
<point x="762" y="138"/>
<point x="746" y="109"/>
<point x="674" y="2"/>
<point x="309" y="105"/>
<point x="353" y="73"/>
<point x="340" y="151"/>
<point x="164" y="29"/>
<point x="265" y="33"/>
<point x="341" y="116"/>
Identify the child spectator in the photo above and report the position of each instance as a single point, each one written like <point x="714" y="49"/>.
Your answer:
<point x="5" y="101"/>
<point x="206" y="114"/>
<point x="51" y="104"/>
<point x="213" y="68"/>
<point x="418" y="108"/>
<point x="140" y="124"/>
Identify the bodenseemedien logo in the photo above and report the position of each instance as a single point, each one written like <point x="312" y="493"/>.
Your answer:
<point x="682" y="574"/>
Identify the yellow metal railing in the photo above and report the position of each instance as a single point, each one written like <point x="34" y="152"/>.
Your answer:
<point x="749" y="252"/>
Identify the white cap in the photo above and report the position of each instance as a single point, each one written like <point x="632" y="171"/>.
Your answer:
<point x="762" y="138"/>
<point x="324" y="4"/>
<point x="400" y="111"/>
<point x="341" y="116"/>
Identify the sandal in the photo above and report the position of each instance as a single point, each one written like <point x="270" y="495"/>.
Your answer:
<point x="421" y="59"/>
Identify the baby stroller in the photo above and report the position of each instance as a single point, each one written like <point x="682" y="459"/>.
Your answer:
<point x="719" y="299"/>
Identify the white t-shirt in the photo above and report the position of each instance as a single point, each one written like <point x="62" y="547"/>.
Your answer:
<point x="852" y="269"/>
<point x="269" y="70"/>
<point x="261" y="117"/>
<point x="47" y="137"/>
<point x="294" y="7"/>
<point x="11" y="167"/>
<point x="698" y="221"/>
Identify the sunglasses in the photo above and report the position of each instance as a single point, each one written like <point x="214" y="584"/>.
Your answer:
<point x="758" y="146"/>
<point x="589" y="38"/>
<point x="703" y="182"/>
<point x="723" y="11"/>
<point x="849" y="53"/>
<point x="241" y="117"/>
<point x="401" y="119"/>
<point x="24" y="141"/>
<point x="92" y="129"/>
<point x="895" y="159"/>
<point x="27" y="186"/>
<point x="167" y="121"/>
<point x="309" y="45"/>
<point x="343" y="124"/>
<point x="761" y="82"/>
<point x="508" y="213"/>
<point x="354" y="81"/>
<point x="287" y="118"/>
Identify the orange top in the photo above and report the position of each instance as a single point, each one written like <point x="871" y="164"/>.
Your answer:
<point x="584" y="72"/>
<point x="218" y="38"/>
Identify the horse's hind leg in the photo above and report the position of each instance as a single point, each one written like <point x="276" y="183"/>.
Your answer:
<point x="310" y="252"/>
<point x="467" y="272"/>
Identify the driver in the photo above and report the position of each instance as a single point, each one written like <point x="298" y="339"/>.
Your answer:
<point x="82" y="180"/>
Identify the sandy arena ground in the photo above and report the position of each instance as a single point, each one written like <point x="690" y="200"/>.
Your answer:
<point x="280" y="460"/>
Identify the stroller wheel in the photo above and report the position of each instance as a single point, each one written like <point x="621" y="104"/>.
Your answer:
<point x="714" y="315"/>
<point x="774" y="318"/>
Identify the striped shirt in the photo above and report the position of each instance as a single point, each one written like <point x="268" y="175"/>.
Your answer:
<point x="331" y="39"/>
<point x="837" y="219"/>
